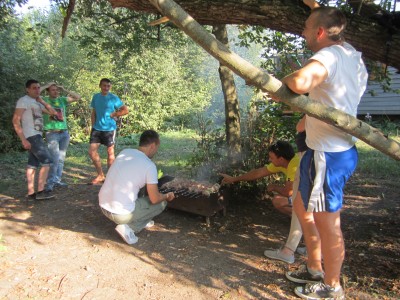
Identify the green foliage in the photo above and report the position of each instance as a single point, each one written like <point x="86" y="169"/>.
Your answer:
<point x="282" y="53"/>
<point x="161" y="91"/>
<point x="210" y="156"/>
<point x="7" y="9"/>
<point x="263" y="124"/>
<point x="158" y="79"/>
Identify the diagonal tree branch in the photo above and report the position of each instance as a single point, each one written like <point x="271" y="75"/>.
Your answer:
<point x="257" y="77"/>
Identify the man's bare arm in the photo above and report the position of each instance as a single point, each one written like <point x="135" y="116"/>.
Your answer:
<point x="48" y="109"/>
<point x="18" y="128"/>
<point x="122" y="111"/>
<point x="304" y="80"/>
<point x="71" y="96"/>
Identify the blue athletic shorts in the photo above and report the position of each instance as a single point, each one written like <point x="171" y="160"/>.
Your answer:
<point x="39" y="153"/>
<point x="106" y="138"/>
<point x="323" y="176"/>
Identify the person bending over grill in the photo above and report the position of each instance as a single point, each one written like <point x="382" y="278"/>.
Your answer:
<point x="282" y="160"/>
<point x="118" y="197"/>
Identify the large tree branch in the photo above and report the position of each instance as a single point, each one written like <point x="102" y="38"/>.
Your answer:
<point x="260" y="79"/>
<point x="286" y="16"/>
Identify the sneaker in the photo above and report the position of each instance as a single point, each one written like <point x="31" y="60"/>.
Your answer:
<point x="302" y="275"/>
<point x="319" y="291"/>
<point x="301" y="251"/>
<point x="277" y="254"/>
<point x="61" y="184"/>
<point x="44" y="195"/>
<point x="149" y="224"/>
<point x="127" y="234"/>
<point x="49" y="187"/>
<point x="31" y="196"/>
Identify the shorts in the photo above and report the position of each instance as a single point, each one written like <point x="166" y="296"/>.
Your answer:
<point x="106" y="138"/>
<point x="39" y="153"/>
<point x="323" y="176"/>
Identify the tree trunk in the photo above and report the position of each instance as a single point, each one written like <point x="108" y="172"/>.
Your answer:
<point x="232" y="115"/>
<point x="260" y="79"/>
<point x="288" y="16"/>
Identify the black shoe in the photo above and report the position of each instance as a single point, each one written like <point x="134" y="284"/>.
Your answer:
<point x="44" y="195"/>
<point x="31" y="197"/>
<point x="302" y="275"/>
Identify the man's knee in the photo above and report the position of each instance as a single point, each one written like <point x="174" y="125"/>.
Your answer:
<point x="110" y="150"/>
<point x="92" y="151"/>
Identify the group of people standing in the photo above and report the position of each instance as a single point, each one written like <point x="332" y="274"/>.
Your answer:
<point x="335" y="76"/>
<point x="29" y="124"/>
<point x="35" y="115"/>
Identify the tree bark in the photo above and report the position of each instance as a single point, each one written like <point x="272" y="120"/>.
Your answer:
<point x="232" y="115"/>
<point x="288" y="16"/>
<point x="67" y="18"/>
<point x="266" y="83"/>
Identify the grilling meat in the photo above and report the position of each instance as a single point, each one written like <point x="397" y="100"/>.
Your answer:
<point x="200" y="187"/>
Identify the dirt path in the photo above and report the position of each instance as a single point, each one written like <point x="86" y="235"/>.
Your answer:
<point x="66" y="249"/>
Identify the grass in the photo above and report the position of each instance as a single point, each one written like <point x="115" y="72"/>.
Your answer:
<point x="375" y="164"/>
<point x="173" y="156"/>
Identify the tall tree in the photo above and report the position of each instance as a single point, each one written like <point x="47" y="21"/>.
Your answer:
<point x="232" y="115"/>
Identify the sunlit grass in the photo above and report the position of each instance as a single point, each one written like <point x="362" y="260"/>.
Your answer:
<point x="373" y="163"/>
<point x="173" y="157"/>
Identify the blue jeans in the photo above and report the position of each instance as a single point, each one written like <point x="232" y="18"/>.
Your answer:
<point x="58" y="142"/>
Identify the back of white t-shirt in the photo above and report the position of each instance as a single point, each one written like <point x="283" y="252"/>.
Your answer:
<point x="343" y="88"/>
<point x="130" y="171"/>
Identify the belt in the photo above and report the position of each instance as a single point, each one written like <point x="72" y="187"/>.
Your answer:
<point x="56" y="131"/>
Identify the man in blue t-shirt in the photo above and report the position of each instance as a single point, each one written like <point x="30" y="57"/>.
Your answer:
<point x="105" y="108"/>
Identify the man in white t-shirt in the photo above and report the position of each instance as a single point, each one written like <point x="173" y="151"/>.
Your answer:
<point x="336" y="76"/>
<point x="118" y="197"/>
<point x="28" y="124"/>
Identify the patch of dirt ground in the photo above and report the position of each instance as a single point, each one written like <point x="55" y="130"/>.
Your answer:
<point x="66" y="249"/>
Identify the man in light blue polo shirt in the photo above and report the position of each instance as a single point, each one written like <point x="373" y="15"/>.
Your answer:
<point x="105" y="108"/>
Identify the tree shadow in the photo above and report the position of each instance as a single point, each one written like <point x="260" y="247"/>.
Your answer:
<point x="225" y="259"/>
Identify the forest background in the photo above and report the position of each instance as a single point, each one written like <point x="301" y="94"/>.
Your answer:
<point x="167" y="81"/>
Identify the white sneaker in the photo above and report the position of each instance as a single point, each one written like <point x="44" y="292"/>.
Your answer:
<point x="149" y="224"/>
<point x="127" y="234"/>
<point x="277" y="254"/>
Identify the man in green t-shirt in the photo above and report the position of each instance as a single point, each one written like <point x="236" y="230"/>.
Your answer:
<point x="282" y="160"/>
<point x="56" y="131"/>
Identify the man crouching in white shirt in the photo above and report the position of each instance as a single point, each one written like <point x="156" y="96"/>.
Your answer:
<point x="119" y="196"/>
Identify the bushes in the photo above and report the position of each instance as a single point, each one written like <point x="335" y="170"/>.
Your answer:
<point x="9" y="141"/>
<point x="263" y="124"/>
